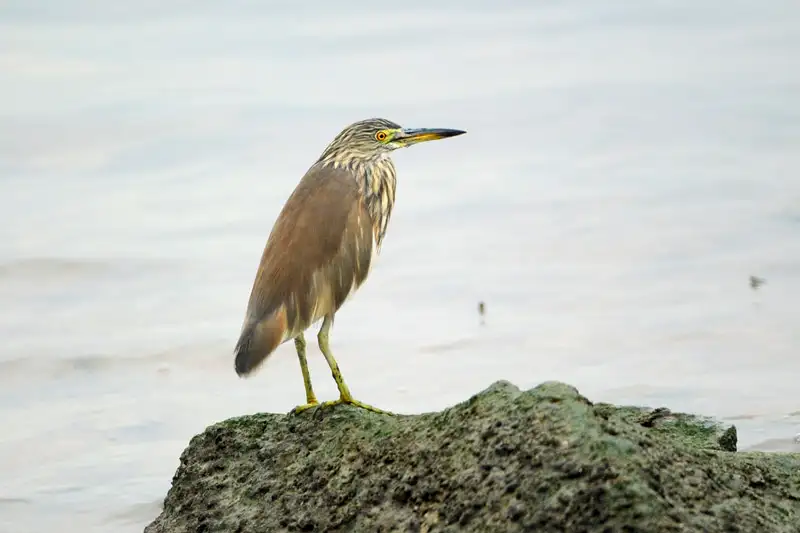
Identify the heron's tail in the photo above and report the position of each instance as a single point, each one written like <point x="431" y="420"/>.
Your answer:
<point x="258" y="340"/>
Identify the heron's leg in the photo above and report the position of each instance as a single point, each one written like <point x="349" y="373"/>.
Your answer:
<point x="311" y="399"/>
<point x="344" y="392"/>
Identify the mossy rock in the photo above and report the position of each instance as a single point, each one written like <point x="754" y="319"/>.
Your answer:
<point x="544" y="460"/>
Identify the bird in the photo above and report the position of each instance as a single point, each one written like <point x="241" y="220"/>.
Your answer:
<point x="322" y="246"/>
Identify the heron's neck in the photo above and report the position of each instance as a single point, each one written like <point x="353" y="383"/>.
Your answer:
<point x="377" y="183"/>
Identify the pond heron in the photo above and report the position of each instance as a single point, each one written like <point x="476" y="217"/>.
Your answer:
<point x="322" y="246"/>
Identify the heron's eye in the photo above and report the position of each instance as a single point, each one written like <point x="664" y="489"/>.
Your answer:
<point x="381" y="136"/>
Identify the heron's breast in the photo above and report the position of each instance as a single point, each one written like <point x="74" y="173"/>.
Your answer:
<point x="336" y="282"/>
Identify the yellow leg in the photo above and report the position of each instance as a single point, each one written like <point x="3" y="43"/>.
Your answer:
<point x="344" y="392"/>
<point x="311" y="400"/>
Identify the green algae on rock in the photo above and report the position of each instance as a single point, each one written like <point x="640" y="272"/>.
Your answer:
<point x="545" y="460"/>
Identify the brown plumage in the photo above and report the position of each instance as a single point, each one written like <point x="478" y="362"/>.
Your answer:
<point x="307" y="269"/>
<point x="323" y="245"/>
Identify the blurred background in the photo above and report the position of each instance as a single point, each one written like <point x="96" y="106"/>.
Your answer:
<point x="627" y="167"/>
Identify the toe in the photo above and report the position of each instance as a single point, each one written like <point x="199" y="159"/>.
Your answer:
<point x="366" y="407"/>
<point x="304" y="407"/>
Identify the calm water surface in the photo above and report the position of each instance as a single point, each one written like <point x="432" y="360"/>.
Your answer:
<point x="627" y="168"/>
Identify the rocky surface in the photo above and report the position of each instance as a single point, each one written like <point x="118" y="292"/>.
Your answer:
<point x="544" y="460"/>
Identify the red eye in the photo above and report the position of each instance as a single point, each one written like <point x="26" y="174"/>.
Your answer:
<point x="381" y="136"/>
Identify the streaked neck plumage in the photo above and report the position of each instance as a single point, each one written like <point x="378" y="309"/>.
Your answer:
<point x="377" y="181"/>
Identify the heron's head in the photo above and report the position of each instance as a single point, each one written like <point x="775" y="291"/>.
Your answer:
<point x="374" y="137"/>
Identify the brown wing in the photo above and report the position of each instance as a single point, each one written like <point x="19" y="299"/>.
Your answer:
<point x="318" y="251"/>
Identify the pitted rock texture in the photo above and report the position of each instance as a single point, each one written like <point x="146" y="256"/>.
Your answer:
<point x="543" y="460"/>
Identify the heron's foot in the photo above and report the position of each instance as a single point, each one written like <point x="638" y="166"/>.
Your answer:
<point x="306" y="406"/>
<point x="347" y="400"/>
<point x="340" y="401"/>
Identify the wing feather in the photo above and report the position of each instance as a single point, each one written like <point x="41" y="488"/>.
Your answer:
<point x="319" y="251"/>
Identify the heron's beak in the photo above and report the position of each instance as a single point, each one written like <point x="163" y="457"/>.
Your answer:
<point x="409" y="136"/>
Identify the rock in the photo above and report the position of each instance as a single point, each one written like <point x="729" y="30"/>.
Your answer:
<point x="545" y="460"/>
<point x="696" y="431"/>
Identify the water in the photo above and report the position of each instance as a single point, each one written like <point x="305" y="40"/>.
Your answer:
<point x="627" y="167"/>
